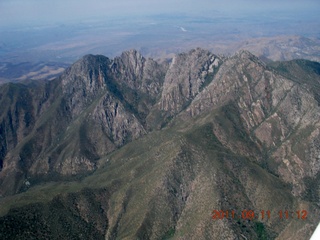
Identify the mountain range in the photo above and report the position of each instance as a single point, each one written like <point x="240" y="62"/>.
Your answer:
<point x="133" y="148"/>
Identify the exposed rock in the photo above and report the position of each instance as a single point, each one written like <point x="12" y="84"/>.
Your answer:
<point x="238" y="133"/>
<point x="187" y="75"/>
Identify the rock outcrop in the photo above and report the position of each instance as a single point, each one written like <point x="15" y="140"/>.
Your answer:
<point x="159" y="145"/>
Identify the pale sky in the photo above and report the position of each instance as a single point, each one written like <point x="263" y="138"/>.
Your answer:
<point x="38" y="11"/>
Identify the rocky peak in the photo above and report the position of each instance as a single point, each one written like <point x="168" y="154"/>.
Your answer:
<point x="84" y="80"/>
<point x="133" y="59"/>
<point x="245" y="56"/>
<point x="187" y="75"/>
<point x="272" y="109"/>
<point x="89" y="72"/>
<point x="240" y="134"/>
<point x="128" y="68"/>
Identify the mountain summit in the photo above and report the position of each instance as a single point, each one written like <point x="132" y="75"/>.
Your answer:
<point x="187" y="148"/>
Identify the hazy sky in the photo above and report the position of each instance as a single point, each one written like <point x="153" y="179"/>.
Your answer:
<point x="33" y="30"/>
<point x="43" y="11"/>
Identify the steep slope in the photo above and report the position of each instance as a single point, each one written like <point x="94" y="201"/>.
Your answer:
<point x="187" y="75"/>
<point x="62" y="127"/>
<point x="164" y="185"/>
<point x="274" y="113"/>
<point x="301" y="71"/>
<point x="209" y="133"/>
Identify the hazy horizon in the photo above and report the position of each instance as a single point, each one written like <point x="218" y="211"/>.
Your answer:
<point x="33" y="12"/>
<point x="63" y="31"/>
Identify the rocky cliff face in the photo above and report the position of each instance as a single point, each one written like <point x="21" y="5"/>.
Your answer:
<point x="273" y="111"/>
<point x="187" y="75"/>
<point x="64" y="126"/>
<point x="165" y="143"/>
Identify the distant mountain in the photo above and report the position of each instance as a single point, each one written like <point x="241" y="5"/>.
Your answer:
<point x="282" y="48"/>
<point x="17" y="72"/>
<point x="48" y="59"/>
<point x="132" y="148"/>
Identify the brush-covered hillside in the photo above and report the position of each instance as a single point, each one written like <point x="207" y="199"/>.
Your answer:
<point x="199" y="146"/>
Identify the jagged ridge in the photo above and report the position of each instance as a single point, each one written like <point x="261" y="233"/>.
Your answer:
<point x="220" y="118"/>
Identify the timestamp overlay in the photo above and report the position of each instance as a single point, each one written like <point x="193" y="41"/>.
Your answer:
<point x="248" y="214"/>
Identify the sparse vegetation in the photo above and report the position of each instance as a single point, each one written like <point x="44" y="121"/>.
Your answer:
<point x="94" y="170"/>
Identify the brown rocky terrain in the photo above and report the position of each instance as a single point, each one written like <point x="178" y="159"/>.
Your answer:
<point x="281" y="48"/>
<point x="132" y="148"/>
